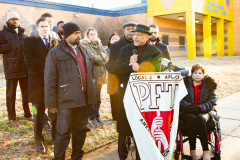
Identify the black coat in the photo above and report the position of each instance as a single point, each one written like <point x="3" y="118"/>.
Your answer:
<point x="148" y="54"/>
<point x="11" y="46"/>
<point x="63" y="82"/>
<point x="208" y="96"/>
<point x="113" y="80"/>
<point x="35" y="52"/>
<point x="163" y="48"/>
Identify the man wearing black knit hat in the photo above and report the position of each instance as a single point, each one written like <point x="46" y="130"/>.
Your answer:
<point x="70" y="87"/>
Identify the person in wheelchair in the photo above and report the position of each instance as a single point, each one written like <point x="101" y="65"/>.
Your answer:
<point x="196" y="107"/>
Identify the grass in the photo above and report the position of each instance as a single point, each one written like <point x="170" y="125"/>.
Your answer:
<point x="18" y="142"/>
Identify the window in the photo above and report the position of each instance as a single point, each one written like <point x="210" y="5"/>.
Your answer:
<point x="165" y="39"/>
<point x="181" y="43"/>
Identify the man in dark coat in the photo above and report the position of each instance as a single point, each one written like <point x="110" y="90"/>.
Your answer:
<point x="11" y="46"/>
<point x="70" y="88"/>
<point x="114" y="81"/>
<point x="36" y="49"/>
<point x="137" y="57"/>
<point x="155" y="41"/>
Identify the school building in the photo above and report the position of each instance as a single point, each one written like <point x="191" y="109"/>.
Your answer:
<point x="190" y="28"/>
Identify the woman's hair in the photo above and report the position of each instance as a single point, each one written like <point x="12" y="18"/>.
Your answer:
<point x="196" y="67"/>
<point x="109" y="44"/>
<point x="88" y="30"/>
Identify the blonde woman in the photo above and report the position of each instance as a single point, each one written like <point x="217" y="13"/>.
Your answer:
<point x="92" y="43"/>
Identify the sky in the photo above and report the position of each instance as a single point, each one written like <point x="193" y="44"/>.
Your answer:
<point x="101" y="4"/>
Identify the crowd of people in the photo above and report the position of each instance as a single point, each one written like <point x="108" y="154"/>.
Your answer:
<point x="64" y="73"/>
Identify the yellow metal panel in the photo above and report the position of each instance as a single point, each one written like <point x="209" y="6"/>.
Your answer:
<point x="207" y="37"/>
<point x="163" y="7"/>
<point x="220" y="37"/>
<point x="215" y="8"/>
<point x="230" y="39"/>
<point x="191" y="35"/>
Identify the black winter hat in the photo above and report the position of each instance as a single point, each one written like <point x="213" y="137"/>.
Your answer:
<point x="142" y="28"/>
<point x="69" y="28"/>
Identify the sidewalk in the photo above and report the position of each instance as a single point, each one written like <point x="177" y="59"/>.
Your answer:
<point x="229" y="110"/>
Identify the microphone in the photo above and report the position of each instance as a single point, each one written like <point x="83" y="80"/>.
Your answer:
<point x="134" y="51"/>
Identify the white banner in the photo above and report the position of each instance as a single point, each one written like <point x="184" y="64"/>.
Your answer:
<point x="151" y="103"/>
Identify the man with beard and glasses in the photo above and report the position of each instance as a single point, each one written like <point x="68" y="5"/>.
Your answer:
<point x="11" y="46"/>
<point x="60" y="30"/>
<point x="70" y="88"/>
<point x="155" y="41"/>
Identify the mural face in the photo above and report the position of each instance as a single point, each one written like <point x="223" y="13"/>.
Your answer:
<point x="168" y="3"/>
<point x="228" y="4"/>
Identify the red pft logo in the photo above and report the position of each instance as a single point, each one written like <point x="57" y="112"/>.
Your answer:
<point x="155" y="101"/>
<point x="159" y="123"/>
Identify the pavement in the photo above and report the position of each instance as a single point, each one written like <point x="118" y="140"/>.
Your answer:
<point x="229" y="110"/>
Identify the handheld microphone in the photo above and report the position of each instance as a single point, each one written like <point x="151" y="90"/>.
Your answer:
<point x="134" y="51"/>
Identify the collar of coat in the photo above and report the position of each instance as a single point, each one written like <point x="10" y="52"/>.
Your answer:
<point x="208" y="81"/>
<point x="87" y="41"/>
<point x="20" y="29"/>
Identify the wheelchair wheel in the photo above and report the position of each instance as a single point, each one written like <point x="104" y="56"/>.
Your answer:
<point x="219" y="131"/>
<point x="215" y="145"/>
<point x="177" y="155"/>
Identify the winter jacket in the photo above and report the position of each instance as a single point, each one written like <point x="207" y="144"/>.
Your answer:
<point x="208" y="96"/>
<point x="63" y="82"/>
<point x="113" y="80"/>
<point x="35" y="52"/>
<point x="100" y="58"/>
<point x="11" y="46"/>
<point x="149" y="54"/>
<point x="163" y="48"/>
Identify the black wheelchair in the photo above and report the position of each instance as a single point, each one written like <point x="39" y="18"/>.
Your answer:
<point x="214" y="138"/>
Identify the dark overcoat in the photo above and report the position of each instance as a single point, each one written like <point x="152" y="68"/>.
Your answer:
<point x="11" y="46"/>
<point x="149" y="54"/>
<point x="163" y="48"/>
<point x="208" y="96"/>
<point x="113" y="80"/>
<point x="35" y="52"/>
<point x="63" y="81"/>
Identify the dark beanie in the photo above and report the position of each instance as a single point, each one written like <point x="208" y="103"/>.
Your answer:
<point x="69" y="28"/>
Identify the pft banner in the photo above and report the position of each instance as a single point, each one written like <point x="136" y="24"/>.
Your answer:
<point x="151" y="103"/>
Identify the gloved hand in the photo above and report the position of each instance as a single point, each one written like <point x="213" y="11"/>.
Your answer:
<point x="194" y="110"/>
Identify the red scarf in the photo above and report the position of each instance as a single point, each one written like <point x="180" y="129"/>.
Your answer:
<point x="140" y="48"/>
<point x="197" y="91"/>
<point x="81" y="64"/>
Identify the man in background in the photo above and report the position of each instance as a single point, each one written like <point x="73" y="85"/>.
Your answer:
<point x="50" y="20"/>
<point x="114" y="83"/>
<point x="60" y="30"/>
<point x="36" y="49"/>
<point x="155" y="41"/>
<point x="11" y="46"/>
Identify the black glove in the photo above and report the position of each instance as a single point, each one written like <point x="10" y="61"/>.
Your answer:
<point x="193" y="110"/>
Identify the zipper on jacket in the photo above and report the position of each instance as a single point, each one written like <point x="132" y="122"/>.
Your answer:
<point x="78" y="69"/>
